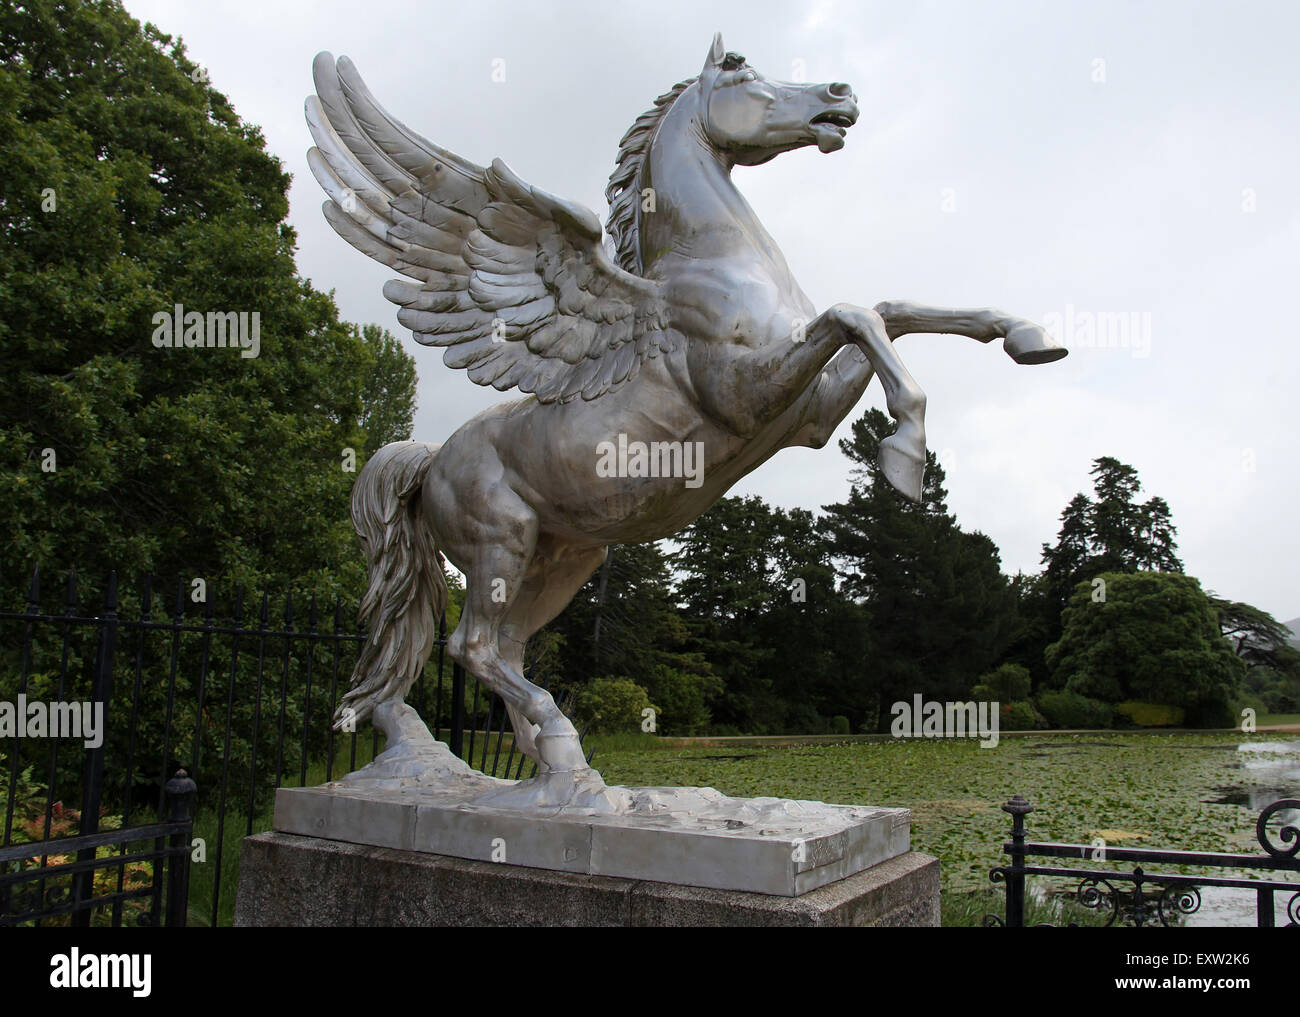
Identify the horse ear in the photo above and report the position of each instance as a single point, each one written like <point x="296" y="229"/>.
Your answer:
<point x="717" y="53"/>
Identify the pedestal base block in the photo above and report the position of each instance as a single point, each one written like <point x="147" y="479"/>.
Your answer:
<point x="291" y="880"/>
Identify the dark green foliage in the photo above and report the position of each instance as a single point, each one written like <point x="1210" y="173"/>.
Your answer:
<point x="613" y="706"/>
<point x="623" y="622"/>
<point x="1263" y="644"/>
<point x="387" y="390"/>
<point x="1255" y="635"/>
<point x="1038" y="623"/>
<point x="788" y="645"/>
<point x="939" y="610"/>
<point x="1154" y="638"/>
<point x="130" y="185"/>
<point x="1110" y="532"/>
<point x="728" y="583"/>
<point x="1072" y="711"/>
<point x="1008" y="684"/>
<point x="1278" y="690"/>
<point x="1017" y="717"/>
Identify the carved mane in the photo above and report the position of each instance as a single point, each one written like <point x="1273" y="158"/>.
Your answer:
<point x="624" y="190"/>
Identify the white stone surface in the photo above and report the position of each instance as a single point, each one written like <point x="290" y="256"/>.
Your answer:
<point x="690" y="836"/>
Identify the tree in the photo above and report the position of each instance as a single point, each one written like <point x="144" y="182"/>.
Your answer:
<point x="1110" y="532"/>
<point x="1038" y="623"/>
<point x="726" y="560"/>
<point x="1114" y="520"/>
<point x="940" y="612"/>
<point x="1154" y="637"/>
<point x="1263" y="644"/>
<point x="727" y="583"/>
<point x="387" y="390"/>
<point x="130" y="187"/>
<point x="1253" y="633"/>
<point x="1157" y="549"/>
<point x="817" y="636"/>
<point x="1068" y="561"/>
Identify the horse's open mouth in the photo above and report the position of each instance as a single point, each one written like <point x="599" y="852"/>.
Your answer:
<point x="841" y="122"/>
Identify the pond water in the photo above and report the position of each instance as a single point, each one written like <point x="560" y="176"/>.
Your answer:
<point x="1261" y="773"/>
<point x="1268" y="771"/>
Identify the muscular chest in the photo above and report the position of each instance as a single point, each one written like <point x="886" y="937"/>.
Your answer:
<point x="740" y="303"/>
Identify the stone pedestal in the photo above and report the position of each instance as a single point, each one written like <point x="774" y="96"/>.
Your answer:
<point x="292" y="880"/>
<point x="420" y="838"/>
<point x="688" y="836"/>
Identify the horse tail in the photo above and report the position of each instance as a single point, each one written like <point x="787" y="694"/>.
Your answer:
<point x="408" y="590"/>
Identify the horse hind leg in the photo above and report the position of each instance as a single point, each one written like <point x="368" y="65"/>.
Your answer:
<point x="564" y="779"/>
<point x="555" y="574"/>
<point x="498" y="557"/>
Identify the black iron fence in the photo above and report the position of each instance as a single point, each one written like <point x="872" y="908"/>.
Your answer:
<point x="60" y="877"/>
<point x="1155" y="898"/>
<point x="242" y="704"/>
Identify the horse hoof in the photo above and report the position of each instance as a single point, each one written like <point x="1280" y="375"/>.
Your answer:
<point x="1030" y="344"/>
<point x="577" y="792"/>
<point x="561" y="752"/>
<point x="902" y="468"/>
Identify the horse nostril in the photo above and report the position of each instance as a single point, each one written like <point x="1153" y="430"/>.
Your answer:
<point x="840" y="90"/>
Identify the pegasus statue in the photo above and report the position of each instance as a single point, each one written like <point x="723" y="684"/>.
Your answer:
<point x="687" y="331"/>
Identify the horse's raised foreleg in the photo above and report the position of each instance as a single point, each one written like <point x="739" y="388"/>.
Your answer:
<point x="1025" y="342"/>
<point x="902" y="454"/>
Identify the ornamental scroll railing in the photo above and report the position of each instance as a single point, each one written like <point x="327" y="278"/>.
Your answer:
<point x="1155" y="898"/>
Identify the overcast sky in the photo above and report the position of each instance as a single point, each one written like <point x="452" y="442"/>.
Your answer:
<point x="1056" y="160"/>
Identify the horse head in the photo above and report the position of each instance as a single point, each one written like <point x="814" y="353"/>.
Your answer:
<point x="750" y="118"/>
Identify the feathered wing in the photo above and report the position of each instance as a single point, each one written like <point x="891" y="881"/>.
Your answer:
<point x="513" y="281"/>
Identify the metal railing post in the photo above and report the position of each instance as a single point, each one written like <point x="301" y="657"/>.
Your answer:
<point x="457" y="710"/>
<point x="1018" y="807"/>
<point x="180" y="792"/>
<point x="92" y="792"/>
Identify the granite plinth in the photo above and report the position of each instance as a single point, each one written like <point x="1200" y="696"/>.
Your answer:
<point x="288" y="880"/>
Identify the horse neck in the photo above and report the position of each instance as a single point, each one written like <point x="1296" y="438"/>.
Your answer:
<point x="699" y="213"/>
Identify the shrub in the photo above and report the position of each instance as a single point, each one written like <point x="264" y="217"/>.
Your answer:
<point x="803" y="719"/>
<point x="612" y="706"/>
<point x="840" y="724"/>
<point x="1017" y="716"/>
<point x="684" y="699"/>
<point x="1071" y="710"/>
<point x="1008" y="684"/>
<point x="1150" y="714"/>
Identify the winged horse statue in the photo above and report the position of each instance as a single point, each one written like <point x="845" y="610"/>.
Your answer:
<point x="689" y="329"/>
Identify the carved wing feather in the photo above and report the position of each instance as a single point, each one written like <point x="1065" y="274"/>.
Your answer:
<point x="513" y="281"/>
